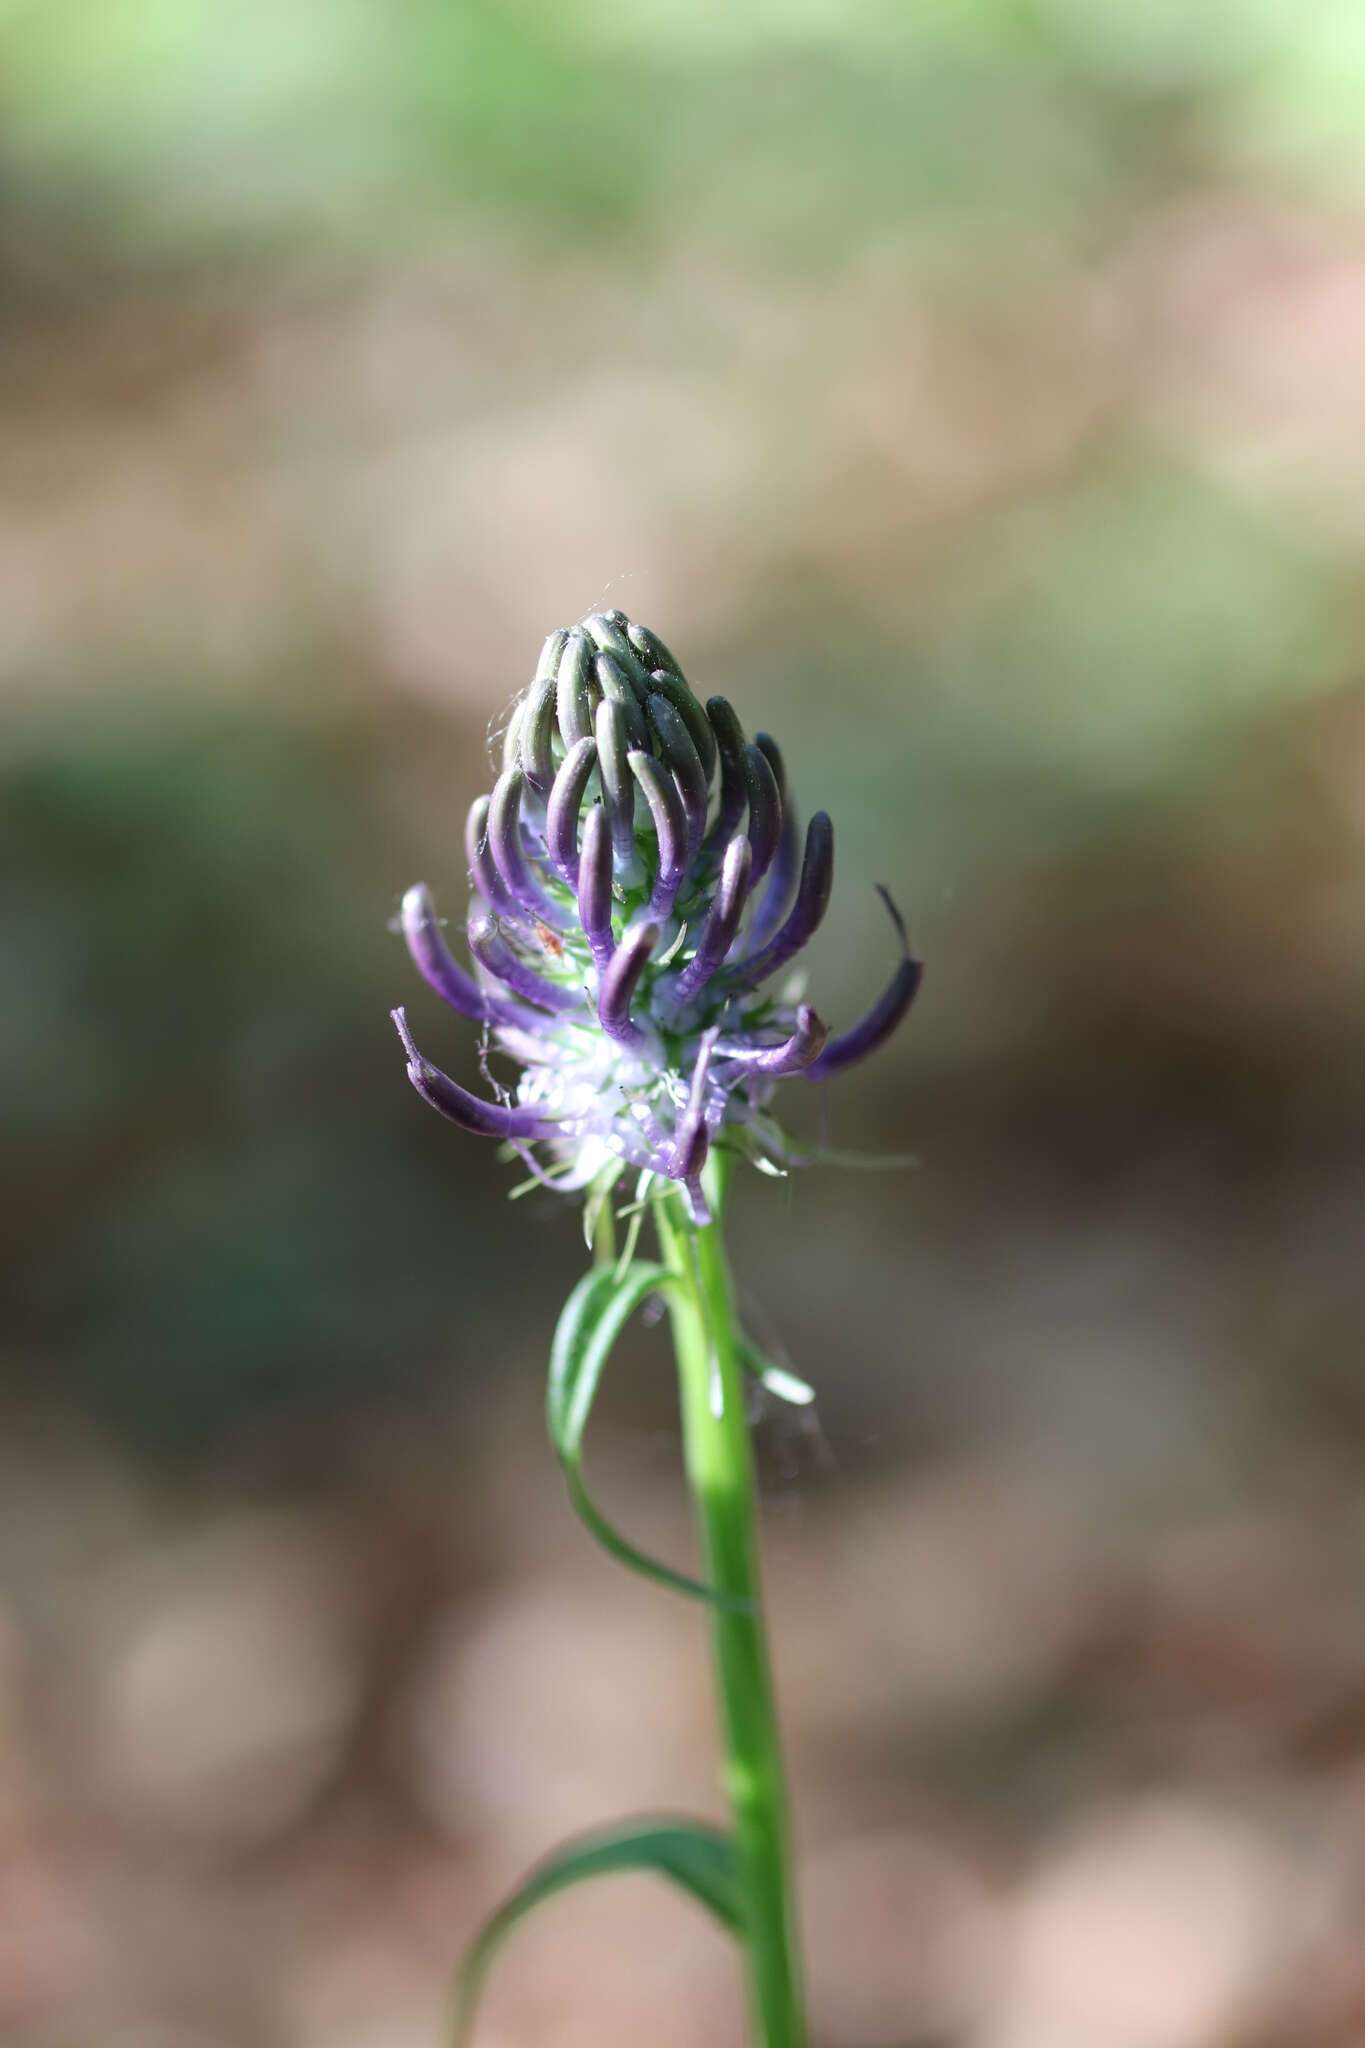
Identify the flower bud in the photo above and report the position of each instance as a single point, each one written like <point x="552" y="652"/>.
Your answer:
<point x="635" y="885"/>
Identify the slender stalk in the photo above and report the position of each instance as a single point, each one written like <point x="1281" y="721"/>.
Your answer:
<point x="720" y="1471"/>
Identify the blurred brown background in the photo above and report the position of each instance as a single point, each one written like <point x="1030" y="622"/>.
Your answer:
<point x="973" y="393"/>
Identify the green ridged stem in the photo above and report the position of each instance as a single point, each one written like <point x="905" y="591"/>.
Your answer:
<point x="720" y="1472"/>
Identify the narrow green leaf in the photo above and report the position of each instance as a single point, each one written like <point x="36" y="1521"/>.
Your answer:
<point x="699" y="1859"/>
<point x="593" y="1318"/>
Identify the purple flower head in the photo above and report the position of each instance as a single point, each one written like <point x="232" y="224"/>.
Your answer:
<point x="638" y="878"/>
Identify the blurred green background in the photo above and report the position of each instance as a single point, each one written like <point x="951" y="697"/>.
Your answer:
<point x="971" y="392"/>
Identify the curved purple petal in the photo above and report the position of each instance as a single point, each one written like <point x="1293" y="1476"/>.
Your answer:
<point x="620" y="980"/>
<point x="670" y="829"/>
<point x="619" y="688"/>
<point x="576" y="690"/>
<point x="478" y="854"/>
<point x="886" y="1014"/>
<point x="548" y="665"/>
<point x="434" y="961"/>
<point x="692" y="1139"/>
<point x="765" y="809"/>
<point x="509" y="855"/>
<point x="795" y="1053"/>
<point x="618" y="790"/>
<point x="665" y="684"/>
<point x="594" y="886"/>
<point x="680" y="756"/>
<point x="774" y="903"/>
<point x="566" y="801"/>
<point x="537" y="728"/>
<point x="722" y="922"/>
<point x="812" y="901"/>
<point x="734" y="788"/>
<point x="470" y="1112"/>
<point x="492" y="951"/>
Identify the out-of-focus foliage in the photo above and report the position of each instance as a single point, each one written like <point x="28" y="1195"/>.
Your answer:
<point x="808" y="125"/>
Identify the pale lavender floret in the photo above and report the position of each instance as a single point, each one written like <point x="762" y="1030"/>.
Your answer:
<point x="470" y="1112"/>
<point x="620" y="979"/>
<point x="492" y="952"/>
<point x="812" y="901"/>
<point x="566" y="801"/>
<point x="594" y="886"/>
<point x="682" y="1157"/>
<point x="885" y="1016"/>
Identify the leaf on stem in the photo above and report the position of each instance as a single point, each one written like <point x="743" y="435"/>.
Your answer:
<point x="593" y="1318"/>
<point x="699" y="1859"/>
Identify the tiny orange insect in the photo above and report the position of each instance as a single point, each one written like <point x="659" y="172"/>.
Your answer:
<point x="548" y="939"/>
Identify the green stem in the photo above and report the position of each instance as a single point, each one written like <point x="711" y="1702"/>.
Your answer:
<point x="720" y="1471"/>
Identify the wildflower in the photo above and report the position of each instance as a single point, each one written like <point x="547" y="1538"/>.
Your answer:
<point x="639" y="879"/>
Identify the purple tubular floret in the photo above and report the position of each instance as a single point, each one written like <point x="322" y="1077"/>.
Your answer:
<point x="679" y="754"/>
<point x="812" y="901"/>
<point x="689" y="1153"/>
<point x="566" y="801"/>
<point x="618" y="787"/>
<point x="691" y="1140"/>
<point x="492" y="951"/>
<point x="718" y="933"/>
<point x="765" y="810"/>
<point x="594" y="886"/>
<point x="885" y="1016"/>
<point x="470" y="1112"/>
<point x="607" y="632"/>
<point x="734" y="789"/>
<point x="796" y="1053"/>
<point x="775" y="901"/>
<point x="665" y="684"/>
<point x="620" y="979"/>
<point x="537" y="729"/>
<point x="651" y="649"/>
<point x="511" y="737"/>
<point x="509" y="855"/>
<point x="576" y="690"/>
<point x="670" y="826"/>
<point x="482" y="873"/>
<point x="436" y="964"/>
<point x="548" y="664"/>
<point x="619" y="688"/>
